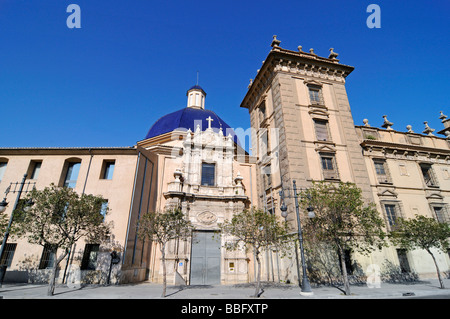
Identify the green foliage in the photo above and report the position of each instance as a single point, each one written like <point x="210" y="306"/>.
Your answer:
<point x="342" y="222"/>
<point x="60" y="217"/>
<point x="255" y="228"/>
<point x="421" y="232"/>
<point x="164" y="226"/>
<point x="3" y="225"/>
<point x="342" y="219"/>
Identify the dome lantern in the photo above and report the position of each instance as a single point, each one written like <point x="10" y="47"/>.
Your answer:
<point x="196" y="97"/>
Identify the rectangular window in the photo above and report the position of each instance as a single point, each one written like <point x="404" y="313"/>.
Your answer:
<point x="35" y="168"/>
<point x="104" y="208"/>
<point x="390" y="214"/>
<point x="321" y="128"/>
<point x="347" y="260"/>
<point x="315" y="96"/>
<point x="327" y="163"/>
<point x="267" y="176"/>
<point x="262" y="113"/>
<point x="208" y="174"/>
<point x="2" y="169"/>
<point x="428" y="175"/>
<point x="440" y="213"/>
<point x="329" y="166"/>
<point x="72" y="174"/>
<point x="48" y="257"/>
<point x="264" y="142"/>
<point x="403" y="261"/>
<point x="108" y="169"/>
<point x="89" y="261"/>
<point x="381" y="170"/>
<point x="8" y="254"/>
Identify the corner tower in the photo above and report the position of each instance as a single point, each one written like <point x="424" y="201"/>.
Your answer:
<point x="303" y="128"/>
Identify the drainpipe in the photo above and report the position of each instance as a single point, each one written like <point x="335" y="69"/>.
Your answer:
<point x="87" y="173"/>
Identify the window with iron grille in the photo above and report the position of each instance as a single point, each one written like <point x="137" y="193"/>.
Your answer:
<point x="48" y="257"/>
<point x="90" y="254"/>
<point x="8" y="254"/>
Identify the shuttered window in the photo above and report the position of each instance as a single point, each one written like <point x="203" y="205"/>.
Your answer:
<point x="321" y="130"/>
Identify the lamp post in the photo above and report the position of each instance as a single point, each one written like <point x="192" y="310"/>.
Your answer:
<point x="305" y="286"/>
<point x="3" y="205"/>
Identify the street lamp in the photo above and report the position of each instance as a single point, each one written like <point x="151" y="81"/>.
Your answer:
<point x="305" y="286"/>
<point x="3" y="205"/>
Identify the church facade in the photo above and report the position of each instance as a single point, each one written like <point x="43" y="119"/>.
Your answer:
<point x="302" y="129"/>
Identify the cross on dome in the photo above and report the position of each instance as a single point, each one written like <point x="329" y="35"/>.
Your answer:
<point x="209" y="120"/>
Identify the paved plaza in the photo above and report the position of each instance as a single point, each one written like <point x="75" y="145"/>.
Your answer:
<point x="422" y="289"/>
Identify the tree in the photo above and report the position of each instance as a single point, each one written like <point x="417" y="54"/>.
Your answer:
<point x="423" y="233"/>
<point x="162" y="228"/>
<point x="3" y="225"/>
<point x="59" y="218"/>
<point x="342" y="221"/>
<point x="256" y="229"/>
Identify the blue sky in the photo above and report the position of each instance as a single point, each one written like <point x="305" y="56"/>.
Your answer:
<point x="131" y="62"/>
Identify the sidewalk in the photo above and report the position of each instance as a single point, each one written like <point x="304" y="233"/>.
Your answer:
<point x="422" y="289"/>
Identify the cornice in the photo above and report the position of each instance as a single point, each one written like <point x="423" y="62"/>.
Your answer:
<point x="294" y="63"/>
<point x="368" y="144"/>
<point x="131" y="150"/>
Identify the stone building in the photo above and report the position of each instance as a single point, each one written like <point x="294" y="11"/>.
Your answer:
<point x="190" y="159"/>
<point x="304" y="131"/>
<point x="408" y="176"/>
<point x="120" y="174"/>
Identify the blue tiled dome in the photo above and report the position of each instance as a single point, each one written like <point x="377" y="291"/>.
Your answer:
<point x="188" y="118"/>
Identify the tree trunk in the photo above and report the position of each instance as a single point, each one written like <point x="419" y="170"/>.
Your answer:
<point x="52" y="279"/>
<point x="163" y="258"/>
<point x="441" y="282"/>
<point x="344" y="272"/>
<point x="258" y="274"/>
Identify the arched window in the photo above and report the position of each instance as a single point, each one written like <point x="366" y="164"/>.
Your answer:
<point x="70" y="172"/>
<point x="3" y="164"/>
